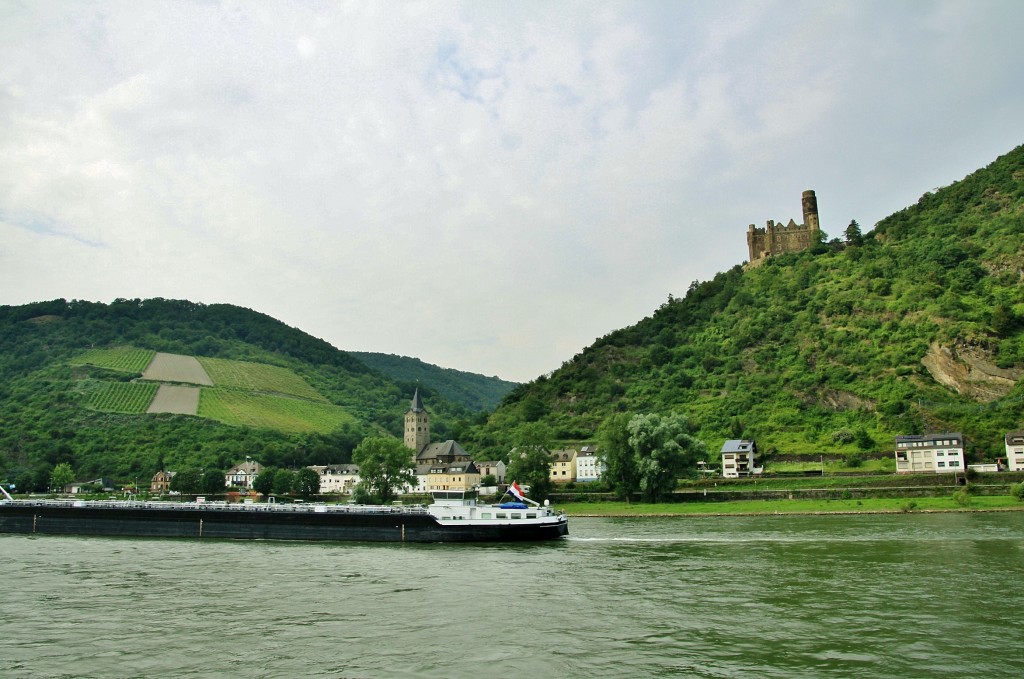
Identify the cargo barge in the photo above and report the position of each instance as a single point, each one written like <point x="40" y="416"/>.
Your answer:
<point x="454" y="516"/>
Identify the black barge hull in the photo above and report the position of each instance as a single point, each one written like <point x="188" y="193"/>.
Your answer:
<point x="258" y="523"/>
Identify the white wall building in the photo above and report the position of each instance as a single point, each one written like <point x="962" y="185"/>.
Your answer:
<point x="242" y="475"/>
<point x="738" y="458"/>
<point x="589" y="467"/>
<point x="941" y="453"/>
<point x="338" y="479"/>
<point x="1015" y="451"/>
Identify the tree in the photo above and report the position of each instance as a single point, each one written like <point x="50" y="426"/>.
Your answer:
<point x="385" y="466"/>
<point x="620" y="472"/>
<point x="530" y="460"/>
<point x="264" y="481"/>
<point x="212" y="482"/>
<point x="307" y="483"/>
<point x="647" y="453"/>
<point x="853" y="234"/>
<point x="61" y="476"/>
<point x="187" y="482"/>
<point x="665" y="450"/>
<point x="284" y="481"/>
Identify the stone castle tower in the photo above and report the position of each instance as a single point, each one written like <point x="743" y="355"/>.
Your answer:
<point x="776" y="239"/>
<point x="417" y="424"/>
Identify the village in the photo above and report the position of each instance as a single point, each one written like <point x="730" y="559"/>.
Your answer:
<point x="444" y="466"/>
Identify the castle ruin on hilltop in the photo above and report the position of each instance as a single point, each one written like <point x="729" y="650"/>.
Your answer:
<point x="775" y="239"/>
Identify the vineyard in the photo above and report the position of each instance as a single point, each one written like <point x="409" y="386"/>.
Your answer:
<point x="121" y="359"/>
<point x="258" y="377"/>
<point x="132" y="398"/>
<point x="244" y="392"/>
<point x="291" y="415"/>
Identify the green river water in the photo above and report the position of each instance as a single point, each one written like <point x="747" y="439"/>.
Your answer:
<point x="917" y="595"/>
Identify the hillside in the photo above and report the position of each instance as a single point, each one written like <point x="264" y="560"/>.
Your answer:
<point x="476" y="392"/>
<point x="916" y="325"/>
<point x="79" y="383"/>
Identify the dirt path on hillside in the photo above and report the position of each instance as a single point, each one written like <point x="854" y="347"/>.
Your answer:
<point x="177" y="399"/>
<point x="176" y="368"/>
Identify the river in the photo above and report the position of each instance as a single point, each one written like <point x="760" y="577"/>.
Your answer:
<point x="915" y="595"/>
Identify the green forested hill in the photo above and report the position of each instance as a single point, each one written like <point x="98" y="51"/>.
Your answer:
<point x="915" y="326"/>
<point x="60" y="403"/>
<point x="476" y="392"/>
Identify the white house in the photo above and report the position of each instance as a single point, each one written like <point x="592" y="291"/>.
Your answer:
<point x="589" y="467"/>
<point x="242" y="475"/>
<point x="1015" y="451"/>
<point x="738" y="458"/>
<point x="422" y="474"/>
<point x="941" y="453"/>
<point x="338" y="479"/>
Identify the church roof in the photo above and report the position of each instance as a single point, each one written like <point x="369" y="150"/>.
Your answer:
<point x="417" y="403"/>
<point x="447" y="451"/>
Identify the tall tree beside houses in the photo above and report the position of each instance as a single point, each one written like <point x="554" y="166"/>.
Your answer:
<point x="530" y="459"/>
<point x="647" y="453"/>
<point x="384" y="466"/>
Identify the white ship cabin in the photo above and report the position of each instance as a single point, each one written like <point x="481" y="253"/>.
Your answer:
<point x="461" y="505"/>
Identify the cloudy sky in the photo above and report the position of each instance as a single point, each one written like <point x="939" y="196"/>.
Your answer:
<point x="488" y="186"/>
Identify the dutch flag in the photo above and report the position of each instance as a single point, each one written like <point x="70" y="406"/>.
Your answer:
<point x="516" y="492"/>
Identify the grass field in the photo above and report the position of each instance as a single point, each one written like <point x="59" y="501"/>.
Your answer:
<point x="293" y="415"/>
<point x="792" y="506"/>
<point x="258" y="377"/>
<point x="122" y="359"/>
<point x="132" y="398"/>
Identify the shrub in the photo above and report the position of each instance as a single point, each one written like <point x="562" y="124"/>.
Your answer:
<point x="843" y="435"/>
<point x="962" y="497"/>
<point x="1017" y="490"/>
<point x="908" y="506"/>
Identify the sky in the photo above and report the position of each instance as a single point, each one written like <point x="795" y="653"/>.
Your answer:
<point x="487" y="186"/>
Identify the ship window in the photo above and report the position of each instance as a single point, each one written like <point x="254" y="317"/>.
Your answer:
<point x="532" y="515"/>
<point x="501" y="515"/>
<point x="485" y="515"/>
<point x="517" y="515"/>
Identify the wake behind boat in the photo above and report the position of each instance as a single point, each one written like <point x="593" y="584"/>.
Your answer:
<point x="454" y="516"/>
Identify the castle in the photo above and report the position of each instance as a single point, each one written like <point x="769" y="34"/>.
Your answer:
<point x="776" y="239"/>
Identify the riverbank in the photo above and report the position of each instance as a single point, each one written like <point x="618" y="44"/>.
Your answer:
<point x="796" y="506"/>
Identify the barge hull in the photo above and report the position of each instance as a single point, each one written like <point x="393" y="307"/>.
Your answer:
<point x="259" y="525"/>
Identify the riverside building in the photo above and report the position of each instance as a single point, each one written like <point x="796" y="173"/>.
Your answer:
<point x="923" y="453"/>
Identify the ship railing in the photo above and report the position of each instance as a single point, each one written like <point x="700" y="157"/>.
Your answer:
<point x="224" y="506"/>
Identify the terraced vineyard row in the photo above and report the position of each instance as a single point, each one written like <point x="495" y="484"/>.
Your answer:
<point x="292" y="415"/>
<point x="122" y="359"/>
<point x="258" y="377"/>
<point x="132" y="398"/>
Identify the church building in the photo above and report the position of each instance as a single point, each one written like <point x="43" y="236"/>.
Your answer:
<point x="417" y="438"/>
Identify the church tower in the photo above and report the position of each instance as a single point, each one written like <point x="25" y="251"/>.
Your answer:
<point x="417" y="424"/>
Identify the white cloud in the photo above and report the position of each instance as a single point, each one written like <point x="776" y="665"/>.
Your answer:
<point x="483" y="185"/>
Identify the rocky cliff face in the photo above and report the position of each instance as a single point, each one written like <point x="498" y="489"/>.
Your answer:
<point x="969" y="370"/>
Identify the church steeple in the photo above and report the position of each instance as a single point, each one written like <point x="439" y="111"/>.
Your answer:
<point x="417" y="424"/>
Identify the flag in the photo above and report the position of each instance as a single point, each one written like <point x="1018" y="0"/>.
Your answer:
<point x="517" y="492"/>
